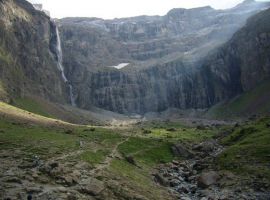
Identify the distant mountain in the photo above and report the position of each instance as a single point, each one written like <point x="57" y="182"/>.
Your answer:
<point x="164" y="53"/>
<point x="185" y="59"/>
<point x="245" y="58"/>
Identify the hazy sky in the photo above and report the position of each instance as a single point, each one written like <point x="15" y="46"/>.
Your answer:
<point x="109" y="9"/>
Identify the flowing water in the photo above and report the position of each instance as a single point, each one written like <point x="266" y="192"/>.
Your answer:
<point x="61" y="68"/>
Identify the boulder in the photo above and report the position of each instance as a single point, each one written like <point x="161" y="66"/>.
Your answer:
<point x="68" y="131"/>
<point x="208" y="178"/>
<point x="53" y="165"/>
<point x="91" y="186"/>
<point x="181" y="151"/>
<point x="207" y="146"/>
<point x="131" y="160"/>
<point x="161" y="180"/>
<point x="171" y="129"/>
<point x="201" y="127"/>
<point x="183" y="189"/>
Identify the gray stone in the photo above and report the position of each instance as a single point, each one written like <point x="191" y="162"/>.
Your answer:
<point x="91" y="186"/>
<point x="180" y="150"/>
<point x="161" y="180"/>
<point x="208" y="178"/>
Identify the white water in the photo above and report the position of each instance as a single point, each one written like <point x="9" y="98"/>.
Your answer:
<point x="61" y="68"/>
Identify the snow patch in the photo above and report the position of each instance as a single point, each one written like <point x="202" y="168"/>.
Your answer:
<point x="121" y="65"/>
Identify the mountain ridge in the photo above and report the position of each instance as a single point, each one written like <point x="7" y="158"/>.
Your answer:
<point x="175" y="43"/>
<point x="165" y="58"/>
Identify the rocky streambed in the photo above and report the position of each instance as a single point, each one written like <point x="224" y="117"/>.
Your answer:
<point x="197" y="177"/>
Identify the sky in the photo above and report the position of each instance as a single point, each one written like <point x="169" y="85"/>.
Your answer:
<point x="109" y="9"/>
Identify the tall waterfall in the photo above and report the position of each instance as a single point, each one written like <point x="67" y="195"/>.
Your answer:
<point x="61" y="68"/>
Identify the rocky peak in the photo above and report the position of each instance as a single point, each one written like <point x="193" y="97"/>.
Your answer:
<point x="194" y="11"/>
<point x="40" y="8"/>
<point x="248" y="1"/>
<point x="251" y="4"/>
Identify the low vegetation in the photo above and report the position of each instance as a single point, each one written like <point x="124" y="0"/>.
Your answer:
<point x="31" y="105"/>
<point x="133" y="153"/>
<point x="256" y="101"/>
<point x="248" y="151"/>
<point x="147" y="151"/>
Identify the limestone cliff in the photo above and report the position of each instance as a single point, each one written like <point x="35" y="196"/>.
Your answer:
<point x="27" y="62"/>
<point x="244" y="61"/>
<point x="165" y="55"/>
<point x="189" y="58"/>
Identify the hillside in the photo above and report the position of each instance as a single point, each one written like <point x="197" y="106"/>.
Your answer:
<point x="244" y="58"/>
<point x="248" y="104"/>
<point x="47" y="158"/>
<point x="47" y="170"/>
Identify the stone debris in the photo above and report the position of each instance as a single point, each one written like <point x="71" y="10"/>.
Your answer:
<point x="197" y="179"/>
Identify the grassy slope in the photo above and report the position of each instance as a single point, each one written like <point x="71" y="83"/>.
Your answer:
<point x="45" y="108"/>
<point x="38" y="135"/>
<point x="248" y="151"/>
<point x="16" y="114"/>
<point x="248" y="147"/>
<point x="256" y="101"/>
<point x="32" y="105"/>
<point x="48" y="138"/>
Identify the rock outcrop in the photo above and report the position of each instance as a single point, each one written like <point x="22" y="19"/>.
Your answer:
<point x="27" y="63"/>
<point x="245" y="58"/>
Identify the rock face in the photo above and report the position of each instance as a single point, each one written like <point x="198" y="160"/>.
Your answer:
<point x="27" y="61"/>
<point x="166" y="55"/>
<point x="170" y="61"/>
<point x="92" y="186"/>
<point x="246" y="56"/>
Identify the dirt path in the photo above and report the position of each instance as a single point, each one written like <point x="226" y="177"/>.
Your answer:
<point x="109" y="158"/>
<point x="74" y="153"/>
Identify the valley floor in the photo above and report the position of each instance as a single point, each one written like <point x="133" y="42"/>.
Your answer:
<point x="51" y="159"/>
